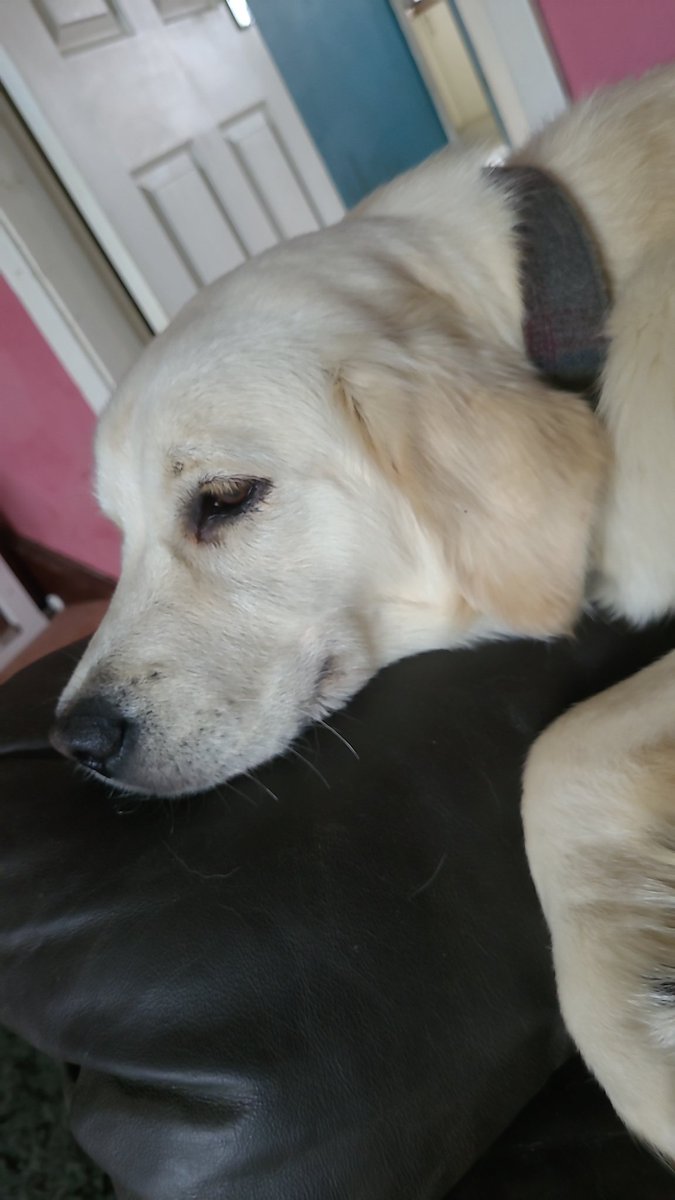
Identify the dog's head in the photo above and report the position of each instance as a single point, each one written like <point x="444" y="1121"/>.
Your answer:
<point x="318" y="469"/>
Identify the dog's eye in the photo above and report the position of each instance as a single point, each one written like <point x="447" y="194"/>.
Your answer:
<point x="221" y="502"/>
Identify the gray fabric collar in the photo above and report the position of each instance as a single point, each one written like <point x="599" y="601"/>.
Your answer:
<point x="566" y="297"/>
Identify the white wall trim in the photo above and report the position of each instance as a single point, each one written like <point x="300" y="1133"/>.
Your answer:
<point x="52" y="319"/>
<point x="22" y="614"/>
<point x="516" y="62"/>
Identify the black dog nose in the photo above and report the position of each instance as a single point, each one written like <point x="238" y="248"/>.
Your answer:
<point x="94" y="732"/>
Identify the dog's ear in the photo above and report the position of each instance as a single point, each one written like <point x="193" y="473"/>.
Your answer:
<point x="504" y="470"/>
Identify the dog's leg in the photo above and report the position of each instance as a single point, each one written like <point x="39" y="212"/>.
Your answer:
<point x="636" y="551"/>
<point x="599" y="812"/>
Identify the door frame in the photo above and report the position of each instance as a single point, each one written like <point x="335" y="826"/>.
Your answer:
<point x="58" y="272"/>
<point x="77" y="188"/>
<point x="511" y="51"/>
<point x="54" y="323"/>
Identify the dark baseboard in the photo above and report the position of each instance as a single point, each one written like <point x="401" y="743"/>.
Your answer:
<point x="44" y="572"/>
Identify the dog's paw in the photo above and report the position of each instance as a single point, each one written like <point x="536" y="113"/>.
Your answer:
<point x="599" y="817"/>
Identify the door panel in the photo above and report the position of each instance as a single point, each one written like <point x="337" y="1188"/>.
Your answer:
<point x="269" y="166"/>
<point x="246" y="210"/>
<point x="192" y="216"/>
<point x="77" y="23"/>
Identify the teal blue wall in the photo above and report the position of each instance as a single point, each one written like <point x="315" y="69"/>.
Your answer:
<point x="349" y="70"/>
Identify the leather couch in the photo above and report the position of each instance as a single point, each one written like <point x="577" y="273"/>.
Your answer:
<point x="331" y="980"/>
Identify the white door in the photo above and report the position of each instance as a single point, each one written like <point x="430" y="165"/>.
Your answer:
<point x="173" y="132"/>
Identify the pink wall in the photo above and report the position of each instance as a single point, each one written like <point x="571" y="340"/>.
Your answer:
<point x="602" y="41"/>
<point x="46" y="430"/>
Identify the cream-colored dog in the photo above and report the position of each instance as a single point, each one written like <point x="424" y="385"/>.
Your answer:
<point x="340" y="455"/>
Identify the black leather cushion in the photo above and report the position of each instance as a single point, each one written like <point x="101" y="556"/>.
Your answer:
<point x="330" y="982"/>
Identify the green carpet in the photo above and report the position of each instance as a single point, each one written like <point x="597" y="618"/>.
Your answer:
<point x="38" y="1158"/>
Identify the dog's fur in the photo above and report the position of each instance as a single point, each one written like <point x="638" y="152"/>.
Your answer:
<point x="424" y="486"/>
<point x="599" y="809"/>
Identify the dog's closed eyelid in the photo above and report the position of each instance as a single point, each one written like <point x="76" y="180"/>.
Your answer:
<point x="218" y="502"/>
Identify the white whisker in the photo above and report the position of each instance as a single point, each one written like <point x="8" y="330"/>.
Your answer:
<point x="339" y="737"/>
<point x="248" y="775"/>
